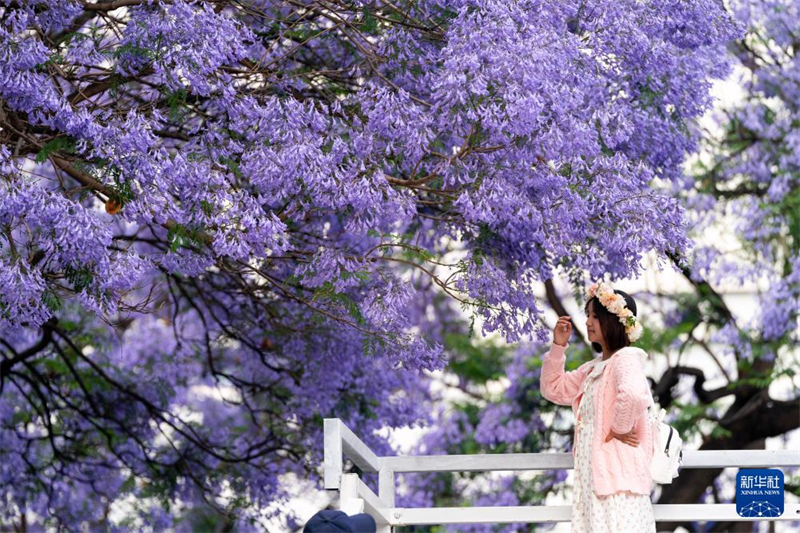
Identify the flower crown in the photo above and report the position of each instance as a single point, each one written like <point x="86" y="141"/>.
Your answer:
<point x="616" y="304"/>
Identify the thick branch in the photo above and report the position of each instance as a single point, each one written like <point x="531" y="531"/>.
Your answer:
<point x="555" y="303"/>
<point x="110" y="6"/>
<point x="663" y="390"/>
<point x="81" y="177"/>
<point x="705" y="289"/>
<point x="7" y="364"/>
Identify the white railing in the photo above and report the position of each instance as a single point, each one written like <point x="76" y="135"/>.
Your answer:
<point x="356" y="497"/>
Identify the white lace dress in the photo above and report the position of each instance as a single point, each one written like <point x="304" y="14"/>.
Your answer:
<point x="623" y="512"/>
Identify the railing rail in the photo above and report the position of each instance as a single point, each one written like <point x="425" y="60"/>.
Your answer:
<point x="355" y="496"/>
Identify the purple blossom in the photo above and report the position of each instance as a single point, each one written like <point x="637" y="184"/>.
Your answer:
<point x="219" y="225"/>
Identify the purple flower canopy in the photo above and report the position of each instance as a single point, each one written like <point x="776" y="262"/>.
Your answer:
<point x="285" y="204"/>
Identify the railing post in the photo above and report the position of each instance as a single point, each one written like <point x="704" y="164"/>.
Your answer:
<point x="333" y="453"/>
<point x="349" y="502"/>
<point x="386" y="486"/>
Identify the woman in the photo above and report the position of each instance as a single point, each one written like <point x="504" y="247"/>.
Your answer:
<point x="609" y="396"/>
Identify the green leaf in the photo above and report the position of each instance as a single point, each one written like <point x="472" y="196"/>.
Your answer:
<point x="769" y="115"/>
<point x="207" y="207"/>
<point x="133" y="50"/>
<point x="54" y="58"/>
<point x="121" y="191"/>
<point x="477" y="363"/>
<point x="176" y="101"/>
<point x="412" y="253"/>
<point x="128" y="485"/>
<point x="79" y="277"/>
<point x="719" y="432"/>
<point x="68" y="37"/>
<point x="55" y="366"/>
<point x="179" y="236"/>
<point x="59" y="144"/>
<point x="327" y="291"/>
<point x="232" y="165"/>
<point x="370" y="23"/>
<point x="51" y="300"/>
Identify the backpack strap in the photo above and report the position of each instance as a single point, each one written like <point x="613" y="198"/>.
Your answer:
<point x="669" y="439"/>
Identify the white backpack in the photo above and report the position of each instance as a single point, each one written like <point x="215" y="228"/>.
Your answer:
<point x="667" y="453"/>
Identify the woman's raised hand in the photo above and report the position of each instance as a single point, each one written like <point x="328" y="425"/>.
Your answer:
<point x="562" y="331"/>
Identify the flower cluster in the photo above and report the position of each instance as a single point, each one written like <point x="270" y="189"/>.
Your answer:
<point x="615" y="303"/>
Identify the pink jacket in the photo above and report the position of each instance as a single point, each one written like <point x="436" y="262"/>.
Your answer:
<point x="622" y="399"/>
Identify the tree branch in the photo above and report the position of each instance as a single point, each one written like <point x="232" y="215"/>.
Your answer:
<point x="7" y="364"/>
<point x="663" y="389"/>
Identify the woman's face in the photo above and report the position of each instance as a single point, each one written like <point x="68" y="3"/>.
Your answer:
<point x="593" y="326"/>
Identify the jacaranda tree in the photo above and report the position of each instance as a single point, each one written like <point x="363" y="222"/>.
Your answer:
<point x="223" y="221"/>
<point x="742" y="201"/>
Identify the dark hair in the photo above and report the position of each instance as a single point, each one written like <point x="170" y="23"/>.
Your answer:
<point x="613" y="330"/>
